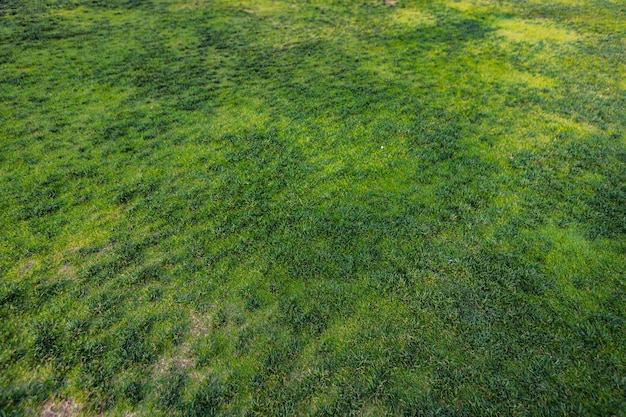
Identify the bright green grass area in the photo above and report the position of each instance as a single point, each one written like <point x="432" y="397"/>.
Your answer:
<point x="273" y="207"/>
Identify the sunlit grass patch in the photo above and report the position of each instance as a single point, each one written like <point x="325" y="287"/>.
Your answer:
<point x="264" y="8"/>
<point x="474" y="5"/>
<point x="574" y="262"/>
<point x="239" y="118"/>
<point x="414" y="17"/>
<point x="534" y="31"/>
<point x="532" y="80"/>
<point x="499" y="72"/>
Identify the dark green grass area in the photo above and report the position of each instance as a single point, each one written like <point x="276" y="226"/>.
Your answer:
<point x="272" y="207"/>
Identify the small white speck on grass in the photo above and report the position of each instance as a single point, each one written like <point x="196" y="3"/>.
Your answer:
<point x="382" y="147"/>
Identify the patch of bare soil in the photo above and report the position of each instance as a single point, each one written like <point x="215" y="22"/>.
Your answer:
<point x="67" y="408"/>
<point x="67" y="271"/>
<point x="26" y="267"/>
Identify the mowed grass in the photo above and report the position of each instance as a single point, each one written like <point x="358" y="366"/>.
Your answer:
<point x="273" y="207"/>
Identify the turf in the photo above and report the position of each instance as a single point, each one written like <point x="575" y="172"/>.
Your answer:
<point x="278" y="207"/>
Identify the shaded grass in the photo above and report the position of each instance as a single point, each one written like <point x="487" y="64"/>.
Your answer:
<point x="275" y="208"/>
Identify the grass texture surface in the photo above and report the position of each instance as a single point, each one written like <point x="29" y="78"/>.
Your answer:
<point x="323" y="207"/>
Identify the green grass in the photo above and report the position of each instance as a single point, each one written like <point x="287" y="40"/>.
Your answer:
<point x="277" y="207"/>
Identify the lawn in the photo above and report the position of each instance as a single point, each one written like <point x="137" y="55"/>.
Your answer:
<point x="312" y="207"/>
